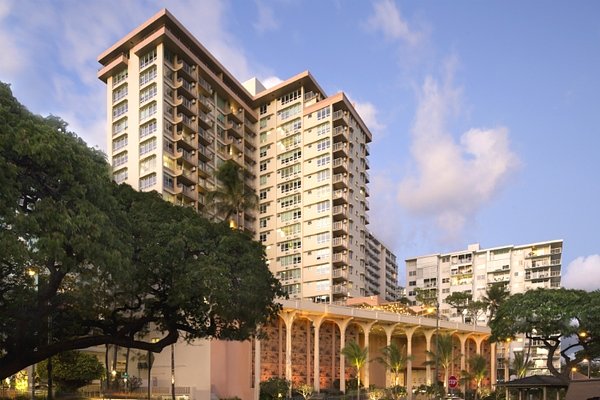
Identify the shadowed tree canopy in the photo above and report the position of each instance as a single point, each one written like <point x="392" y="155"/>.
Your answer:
<point x="106" y="264"/>
<point x="552" y="316"/>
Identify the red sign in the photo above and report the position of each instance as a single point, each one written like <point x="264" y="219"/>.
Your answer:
<point x="452" y="381"/>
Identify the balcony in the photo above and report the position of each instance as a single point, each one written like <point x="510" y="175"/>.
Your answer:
<point x="234" y="129"/>
<point x="338" y="213"/>
<point x="340" y="150"/>
<point x="339" y="227"/>
<point x="204" y="104"/>
<point x="187" y="176"/>
<point x="185" y="105"/>
<point x="339" y="165"/>
<point x="340" y="181"/>
<point x="340" y="273"/>
<point x="188" y="122"/>
<point x="235" y="115"/>
<point x="205" y="154"/>
<point x="339" y="258"/>
<point x="188" y="192"/>
<point x="204" y="137"/>
<point x="340" y="134"/>
<point x="186" y="70"/>
<point x="339" y="243"/>
<point x="340" y="118"/>
<point x="340" y="196"/>
<point x="205" y="87"/>
<point x="205" y="120"/>
<point x="205" y="171"/>
<point x="250" y="127"/>
<point x="190" y="156"/>
<point x="186" y="88"/>
<point x="186" y="140"/>
<point x="339" y="289"/>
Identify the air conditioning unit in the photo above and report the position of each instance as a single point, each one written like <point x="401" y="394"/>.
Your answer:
<point x="193" y="101"/>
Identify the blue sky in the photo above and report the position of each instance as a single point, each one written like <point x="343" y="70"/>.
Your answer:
<point x="485" y="115"/>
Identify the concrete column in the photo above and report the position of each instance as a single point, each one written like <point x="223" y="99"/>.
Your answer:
<point x="343" y="325"/>
<point x="256" y="369"/>
<point x="428" y="334"/>
<point x="493" y="373"/>
<point x="389" y="330"/>
<point x="463" y="340"/>
<point x="478" y="342"/>
<point x="409" y="334"/>
<point x="317" y="372"/>
<point x="288" y="318"/>
<point x="366" y="327"/>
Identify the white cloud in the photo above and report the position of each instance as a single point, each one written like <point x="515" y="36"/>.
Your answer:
<point x="452" y="180"/>
<point x="583" y="273"/>
<point x="369" y="114"/>
<point x="266" y="19"/>
<point x="271" y="81"/>
<point x="389" y="21"/>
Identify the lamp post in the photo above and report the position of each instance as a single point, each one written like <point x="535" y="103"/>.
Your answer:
<point x="585" y="360"/>
<point x="34" y="275"/>
<point x="437" y="342"/>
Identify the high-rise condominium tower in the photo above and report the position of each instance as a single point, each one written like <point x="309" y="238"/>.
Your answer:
<point x="175" y="114"/>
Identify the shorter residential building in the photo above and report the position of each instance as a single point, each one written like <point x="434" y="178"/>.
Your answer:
<point x="381" y="272"/>
<point x="474" y="270"/>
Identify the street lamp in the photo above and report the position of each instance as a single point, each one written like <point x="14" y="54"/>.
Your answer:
<point x="34" y="275"/>
<point x="437" y="342"/>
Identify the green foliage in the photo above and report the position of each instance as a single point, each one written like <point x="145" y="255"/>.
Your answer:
<point x="475" y="309"/>
<point x="477" y="372"/>
<point x="394" y="359"/>
<point x="520" y="365"/>
<point x="459" y="300"/>
<point x="426" y="297"/>
<point x="274" y="388"/>
<point x="231" y="197"/>
<point x="305" y="390"/>
<point x="109" y="263"/>
<point x="357" y="356"/>
<point x="495" y="295"/>
<point x="72" y="370"/>
<point x="443" y="354"/>
<point x="551" y="315"/>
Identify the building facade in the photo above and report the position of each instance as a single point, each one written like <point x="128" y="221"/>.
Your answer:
<point x="175" y="114"/>
<point x="472" y="271"/>
<point x="381" y="275"/>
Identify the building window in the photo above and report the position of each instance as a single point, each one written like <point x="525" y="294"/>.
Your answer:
<point x="147" y="181"/>
<point x="288" y="98"/>
<point x="120" y="109"/>
<point x="323" y="145"/>
<point x="289" y="112"/>
<point x="294" y="244"/>
<point x="263" y="194"/>
<point x="290" y="215"/>
<point x="120" y="176"/>
<point x="263" y="179"/>
<point x="120" y="159"/>
<point x="290" y="200"/>
<point x="148" y="146"/>
<point x="322" y="254"/>
<point x="120" y="77"/>
<point x="263" y="165"/>
<point x="148" y="76"/>
<point x="290" y="156"/>
<point x="323" y="129"/>
<point x="148" y="128"/>
<point x="290" y="141"/>
<point x="263" y="151"/>
<point x="290" y="171"/>
<point x="263" y="109"/>
<point x="290" y="126"/>
<point x="119" y="93"/>
<point x="289" y="186"/>
<point x="412" y="273"/>
<point x="263" y="123"/>
<point x="263" y="222"/>
<point x="323" y="113"/>
<point x="262" y="208"/>
<point x="412" y="283"/>
<point x="323" y="175"/>
<point x="119" y="143"/>
<point x="148" y="58"/>
<point x="148" y="93"/>
<point x="323" y="160"/>
<point x="148" y="111"/>
<point x="289" y="260"/>
<point x="323" y="206"/>
<point x="119" y="126"/>
<point x="290" y="230"/>
<point x="263" y="237"/>
<point x="323" y="238"/>
<point x="148" y="165"/>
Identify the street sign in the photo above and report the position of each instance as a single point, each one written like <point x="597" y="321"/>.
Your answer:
<point x="452" y="381"/>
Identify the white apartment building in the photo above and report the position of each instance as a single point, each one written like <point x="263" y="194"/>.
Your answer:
<point x="175" y="114"/>
<point x="473" y="270"/>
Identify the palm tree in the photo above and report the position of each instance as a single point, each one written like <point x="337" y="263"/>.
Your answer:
<point x="520" y="364"/>
<point x="477" y="372"/>
<point x="443" y="356"/>
<point x="357" y="356"/>
<point x="230" y="198"/>
<point x="495" y="295"/>
<point x="394" y="359"/>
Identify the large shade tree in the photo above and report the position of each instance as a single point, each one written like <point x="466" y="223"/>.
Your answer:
<point x="86" y="262"/>
<point x="552" y="317"/>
